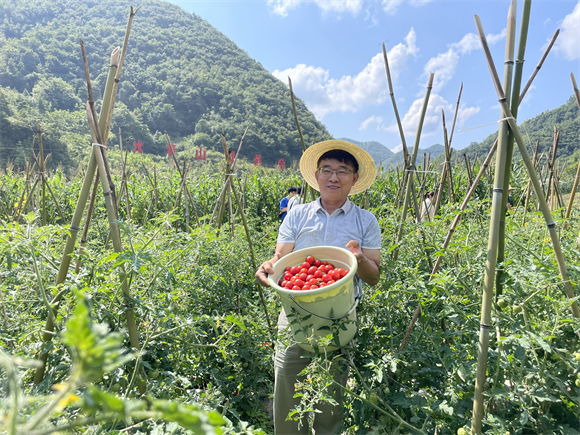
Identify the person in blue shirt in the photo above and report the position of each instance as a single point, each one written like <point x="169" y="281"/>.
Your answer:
<point x="284" y="202"/>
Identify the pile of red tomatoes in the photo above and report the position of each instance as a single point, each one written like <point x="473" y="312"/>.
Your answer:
<point x="311" y="274"/>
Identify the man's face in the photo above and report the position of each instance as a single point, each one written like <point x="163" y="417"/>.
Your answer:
<point x="334" y="187"/>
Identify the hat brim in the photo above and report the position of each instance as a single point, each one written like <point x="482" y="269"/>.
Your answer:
<point x="367" y="169"/>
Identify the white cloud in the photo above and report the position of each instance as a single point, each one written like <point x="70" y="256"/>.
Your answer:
<point x="471" y="42"/>
<point x="568" y="43"/>
<point x="397" y="148"/>
<point x="324" y="95"/>
<point x="376" y="121"/>
<point x="391" y="6"/>
<point x="281" y="7"/>
<point x="432" y="122"/>
<point x="443" y="66"/>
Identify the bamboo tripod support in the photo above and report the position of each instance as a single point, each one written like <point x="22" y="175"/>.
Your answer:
<point x="97" y="159"/>
<point x="408" y="178"/>
<point x="487" y="295"/>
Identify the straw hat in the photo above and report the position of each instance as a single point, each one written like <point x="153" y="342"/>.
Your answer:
<point x="367" y="169"/>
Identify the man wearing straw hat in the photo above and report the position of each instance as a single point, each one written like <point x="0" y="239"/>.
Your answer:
<point x="336" y="169"/>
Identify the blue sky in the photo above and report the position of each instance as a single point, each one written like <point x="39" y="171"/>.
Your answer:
<point x="331" y="49"/>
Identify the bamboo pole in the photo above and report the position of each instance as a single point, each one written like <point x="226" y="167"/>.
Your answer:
<point x="224" y="187"/>
<point x="86" y="225"/>
<point x="44" y="180"/>
<point x="529" y="186"/>
<point x="450" y="233"/>
<point x="539" y="65"/>
<point x="185" y="185"/>
<point x="468" y="169"/>
<point x="412" y="164"/>
<point x="496" y="218"/>
<point x="510" y="77"/>
<point x="448" y="160"/>
<point x="551" y="167"/>
<point x="406" y="156"/>
<point x="41" y="170"/>
<point x="74" y="226"/>
<point x="484" y="336"/>
<point x="577" y="178"/>
<point x="455" y="114"/>
<point x="118" y="72"/>
<point x="394" y="102"/>
<point x="115" y="233"/>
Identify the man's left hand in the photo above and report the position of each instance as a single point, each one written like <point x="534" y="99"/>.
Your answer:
<point x="356" y="250"/>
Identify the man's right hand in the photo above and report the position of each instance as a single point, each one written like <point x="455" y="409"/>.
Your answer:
<point x="263" y="271"/>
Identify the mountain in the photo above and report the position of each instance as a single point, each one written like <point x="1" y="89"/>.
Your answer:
<point x="377" y="150"/>
<point x="541" y="128"/>
<point x="180" y="75"/>
<point x="384" y="156"/>
<point x="397" y="158"/>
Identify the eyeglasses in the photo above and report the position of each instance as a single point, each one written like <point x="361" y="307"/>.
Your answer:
<point x="340" y="173"/>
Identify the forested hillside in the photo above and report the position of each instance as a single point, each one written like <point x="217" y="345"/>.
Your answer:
<point x="180" y="75"/>
<point x="541" y="127"/>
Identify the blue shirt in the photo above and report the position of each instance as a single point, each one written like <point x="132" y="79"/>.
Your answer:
<point x="283" y="204"/>
<point x="310" y="225"/>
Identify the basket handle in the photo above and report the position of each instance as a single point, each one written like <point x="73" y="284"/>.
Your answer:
<point x="358" y="297"/>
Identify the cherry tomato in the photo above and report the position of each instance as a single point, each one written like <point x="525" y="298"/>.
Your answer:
<point x="317" y="274"/>
<point x="318" y="263"/>
<point x="342" y="272"/>
<point x="306" y="287"/>
<point x="287" y="276"/>
<point x="310" y="259"/>
<point x="331" y="265"/>
<point x="312" y="282"/>
<point x="312" y="287"/>
<point x="303" y="276"/>
<point x="299" y="283"/>
<point x="330" y="282"/>
<point x="304" y="270"/>
<point x="328" y="268"/>
<point x="335" y="275"/>
<point x="312" y="270"/>
<point x="283" y="283"/>
<point x="322" y="284"/>
<point x="289" y="285"/>
<point x="292" y="279"/>
<point x="325" y="262"/>
<point x="296" y="288"/>
<point x="287" y="269"/>
<point x="305" y="265"/>
<point x="295" y="270"/>
<point x="326" y="278"/>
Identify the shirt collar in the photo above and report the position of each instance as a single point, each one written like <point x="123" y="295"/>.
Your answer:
<point x="345" y="207"/>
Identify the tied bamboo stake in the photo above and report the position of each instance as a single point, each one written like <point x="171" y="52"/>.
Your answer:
<point x="248" y="236"/>
<point x="448" y="239"/>
<point x="306" y="187"/>
<point x="412" y="165"/>
<point x="406" y="156"/>
<point x="515" y="77"/>
<point x="529" y="185"/>
<point x="478" y="410"/>
<point x="496" y="219"/>
<point x="75" y="222"/>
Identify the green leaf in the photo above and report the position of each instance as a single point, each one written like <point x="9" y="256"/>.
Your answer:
<point x="234" y="319"/>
